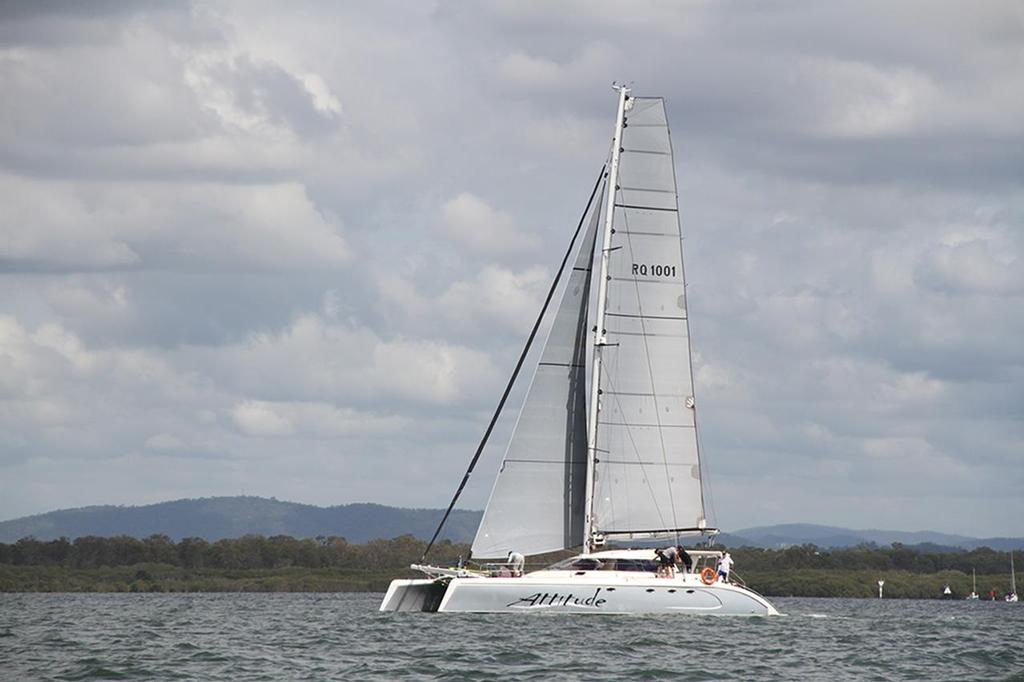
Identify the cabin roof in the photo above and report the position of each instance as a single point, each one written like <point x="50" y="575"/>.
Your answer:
<point x="646" y="553"/>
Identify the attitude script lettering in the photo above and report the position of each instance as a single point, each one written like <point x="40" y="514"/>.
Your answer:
<point x="538" y="599"/>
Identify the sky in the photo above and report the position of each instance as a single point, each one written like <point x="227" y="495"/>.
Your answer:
<point x="293" y="249"/>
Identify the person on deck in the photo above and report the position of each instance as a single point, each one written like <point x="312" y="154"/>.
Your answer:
<point x="684" y="557"/>
<point x="516" y="562"/>
<point x="667" y="559"/>
<point x="724" y="566"/>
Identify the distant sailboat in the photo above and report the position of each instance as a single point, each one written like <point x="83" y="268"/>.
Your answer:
<point x="1011" y="596"/>
<point x="621" y="463"/>
<point x="974" y="585"/>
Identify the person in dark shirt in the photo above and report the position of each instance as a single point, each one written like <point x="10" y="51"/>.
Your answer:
<point x="671" y="557"/>
<point x="684" y="558"/>
<point x="666" y="560"/>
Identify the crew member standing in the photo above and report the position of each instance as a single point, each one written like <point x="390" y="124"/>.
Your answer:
<point x="724" y="566"/>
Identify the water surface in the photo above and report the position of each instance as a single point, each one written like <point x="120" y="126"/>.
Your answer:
<point x="342" y="636"/>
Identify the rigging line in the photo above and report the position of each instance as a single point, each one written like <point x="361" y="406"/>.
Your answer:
<point x="654" y="393"/>
<point x="519" y="366"/>
<point x="705" y="476"/>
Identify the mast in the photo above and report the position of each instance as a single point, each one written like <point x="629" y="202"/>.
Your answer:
<point x="599" y="331"/>
<point x="1013" y="575"/>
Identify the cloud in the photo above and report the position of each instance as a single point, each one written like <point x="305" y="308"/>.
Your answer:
<point x="284" y="98"/>
<point x="472" y="223"/>
<point x="350" y="364"/>
<point x="63" y="403"/>
<point x="262" y="418"/>
<point x="497" y="295"/>
<point x="867" y="101"/>
<point x="60" y="225"/>
<point x="546" y="75"/>
<point x="494" y="298"/>
<point x="164" y="442"/>
<point x="973" y="261"/>
<point x="64" y="98"/>
<point x="258" y="419"/>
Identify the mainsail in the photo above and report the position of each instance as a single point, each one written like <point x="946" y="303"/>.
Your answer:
<point x="646" y="473"/>
<point x="537" y="502"/>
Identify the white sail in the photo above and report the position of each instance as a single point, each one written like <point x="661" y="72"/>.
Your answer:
<point x="537" y="502"/>
<point x="647" y="474"/>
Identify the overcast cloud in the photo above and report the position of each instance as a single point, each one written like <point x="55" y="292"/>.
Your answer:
<point x="292" y="249"/>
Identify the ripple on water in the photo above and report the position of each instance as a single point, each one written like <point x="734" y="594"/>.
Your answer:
<point x="96" y="672"/>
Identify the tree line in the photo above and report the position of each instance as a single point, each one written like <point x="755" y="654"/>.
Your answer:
<point x="282" y="551"/>
<point x="869" y="557"/>
<point x="247" y="552"/>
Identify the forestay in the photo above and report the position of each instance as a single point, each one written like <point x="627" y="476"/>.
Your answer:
<point x="537" y="502"/>
<point x="647" y="476"/>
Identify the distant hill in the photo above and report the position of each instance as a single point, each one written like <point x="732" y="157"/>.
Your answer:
<point x="213" y="518"/>
<point x="788" y="534"/>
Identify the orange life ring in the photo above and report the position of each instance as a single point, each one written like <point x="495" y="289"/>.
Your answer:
<point x="708" y="576"/>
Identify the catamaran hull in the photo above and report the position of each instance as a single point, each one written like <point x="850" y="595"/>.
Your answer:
<point x="414" y="595"/>
<point x="526" y="595"/>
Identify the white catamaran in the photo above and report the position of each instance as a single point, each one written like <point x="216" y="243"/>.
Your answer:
<point x="621" y="464"/>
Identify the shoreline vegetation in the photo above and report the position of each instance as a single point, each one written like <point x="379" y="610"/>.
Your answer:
<point x="255" y="563"/>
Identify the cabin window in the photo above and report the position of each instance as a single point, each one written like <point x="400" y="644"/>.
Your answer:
<point x="590" y="564"/>
<point x="577" y="564"/>
<point x="638" y="565"/>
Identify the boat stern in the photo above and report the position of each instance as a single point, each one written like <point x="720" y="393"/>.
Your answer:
<point x="422" y="594"/>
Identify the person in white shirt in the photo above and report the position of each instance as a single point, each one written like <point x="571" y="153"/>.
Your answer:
<point x="516" y="562"/>
<point x="724" y="566"/>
